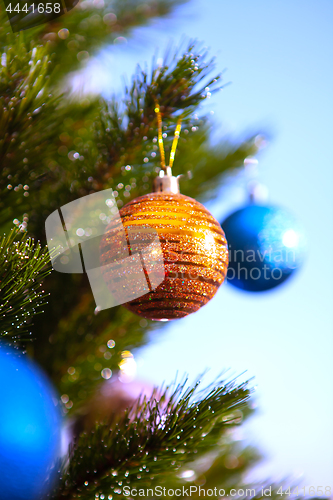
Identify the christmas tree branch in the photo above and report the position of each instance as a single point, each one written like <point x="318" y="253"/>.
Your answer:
<point x="179" y="85"/>
<point x="74" y="36"/>
<point x="155" y="437"/>
<point x="92" y="24"/>
<point x="34" y="127"/>
<point x="71" y="161"/>
<point x="221" y="469"/>
<point x="23" y="264"/>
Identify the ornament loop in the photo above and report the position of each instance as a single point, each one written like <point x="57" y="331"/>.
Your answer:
<point x="160" y="140"/>
<point x="160" y="136"/>
<point x="175" y="142"/>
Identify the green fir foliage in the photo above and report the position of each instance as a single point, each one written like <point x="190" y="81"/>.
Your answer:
<point x="152" y="440"/>
<point x="23" y="265"/>
<point x="55" y="148"/>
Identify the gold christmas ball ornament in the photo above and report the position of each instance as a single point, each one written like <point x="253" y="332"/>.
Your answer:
<point x="194" y="250"/>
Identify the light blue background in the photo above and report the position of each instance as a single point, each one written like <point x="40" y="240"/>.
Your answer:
<point x="278" y="55"/>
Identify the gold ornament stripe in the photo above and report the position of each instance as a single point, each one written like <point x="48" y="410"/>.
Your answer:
<point x="162" y="300"/>
<point x="162" y="314"/>
<point x="189" y="274"/>
<point x="165" y="200"/>
<point x="184" y="271"/>
<point x="167" y="208"/>
<point x="163" y="310"/>
<point x="156" y="302"/>
<point x="171" y="229"/>
<point x="163" y="206"/>
<point x="177" y="265"/>
<point x="179" y="219"/>
<point x="193" y="261"/>
<point x="195" y="272"/>
<point x="157" y="308"/>
<point x="168" y="218"/>
<point x="167" y="221"/>
<point x="195" y="258"/>
<point x="189" y="240"/>
<point x="188" y="286"/>
<point x="172" y="243"/>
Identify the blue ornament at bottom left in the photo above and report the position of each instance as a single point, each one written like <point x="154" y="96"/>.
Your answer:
<point x="30" y="428"/>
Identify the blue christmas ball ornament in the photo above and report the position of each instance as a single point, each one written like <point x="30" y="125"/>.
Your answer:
<point x="30" y="427"/>
<point x="266" y="246"/>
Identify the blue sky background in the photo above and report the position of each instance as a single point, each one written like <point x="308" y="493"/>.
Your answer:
<point x="278" y="56"/>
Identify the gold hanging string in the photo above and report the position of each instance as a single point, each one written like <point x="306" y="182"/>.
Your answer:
<point x="175" y="142"/>
<point x="160" y="138"/>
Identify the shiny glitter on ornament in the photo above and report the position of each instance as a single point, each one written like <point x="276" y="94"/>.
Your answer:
<point x="194" y="249"/>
